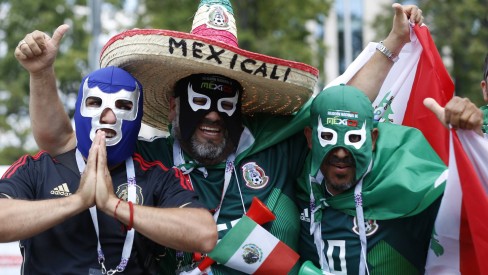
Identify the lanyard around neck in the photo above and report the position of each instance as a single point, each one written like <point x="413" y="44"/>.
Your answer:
<point x="316" y="229"/>
<point x="179" y="162"/>
<point x="129" y="238"/>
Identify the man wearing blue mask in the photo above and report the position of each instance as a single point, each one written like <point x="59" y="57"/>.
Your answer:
<point x="235" y="117"/>
<point x="93" y="223"/>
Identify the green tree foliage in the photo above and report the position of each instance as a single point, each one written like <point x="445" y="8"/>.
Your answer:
<point x="461" y="26"/>
<point x="21" y="18"/>
<point x="275" y="28"/>
<point x="460" y="32"/>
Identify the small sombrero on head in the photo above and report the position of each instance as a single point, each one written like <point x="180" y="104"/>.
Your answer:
<point x="159" y="58"/>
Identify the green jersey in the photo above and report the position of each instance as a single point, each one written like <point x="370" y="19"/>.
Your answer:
<point x="484" y="127"/>
<point x="400" y="197"/>
<point x="266" y="172"/>
<point x="396" y="246"/>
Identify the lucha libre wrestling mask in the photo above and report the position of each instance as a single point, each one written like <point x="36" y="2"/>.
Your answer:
<point x="219" y="94"/>
<point x="342" y="116"/>
<point x="115" y="89"/>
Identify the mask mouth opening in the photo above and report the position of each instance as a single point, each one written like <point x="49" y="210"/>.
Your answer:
<point x="109" y="133"/>
<point x="346" y="162"/>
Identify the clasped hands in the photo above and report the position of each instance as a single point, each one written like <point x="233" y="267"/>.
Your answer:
<point x="96" y="183"/>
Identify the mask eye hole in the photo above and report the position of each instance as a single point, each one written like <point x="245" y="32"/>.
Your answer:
<point x="354" y="138"/>
<point x="226" y="105"/>
<point x="327" y="136"/>
<point x="200" y="101"/>
<point x="123" y="104"/>
<point x="93" y="102"/>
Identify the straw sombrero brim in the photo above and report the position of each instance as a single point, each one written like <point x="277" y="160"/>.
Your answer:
<point x="159" y="58"/>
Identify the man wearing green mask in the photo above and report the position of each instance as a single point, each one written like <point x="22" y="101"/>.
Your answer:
<point x="383" y="175"/>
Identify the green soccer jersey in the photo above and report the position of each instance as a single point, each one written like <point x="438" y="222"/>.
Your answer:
<point x="484" y="127"/>
<point x="396" y="246"/>
<point x="266" y="170"/>
<point x="400" y="197"/>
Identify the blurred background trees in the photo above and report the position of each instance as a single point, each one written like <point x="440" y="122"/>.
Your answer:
<point x="18" y="19"/>
<point x="460" y="31"/>
<point x="272" y="27"/>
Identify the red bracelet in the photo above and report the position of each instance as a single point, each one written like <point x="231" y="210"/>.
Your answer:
<point x="116" y="206"/>
<point x="131" y="220"/>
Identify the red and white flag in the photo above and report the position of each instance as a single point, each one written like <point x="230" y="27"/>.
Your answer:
<point x="418" y="74"/>
<point x="250" y="248"/>
<point x="460" y="241"/>
<point x="462" y="222"/>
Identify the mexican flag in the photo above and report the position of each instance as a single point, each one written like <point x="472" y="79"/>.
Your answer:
<point x="460" y="240"/>
<point x="250" y="248"/>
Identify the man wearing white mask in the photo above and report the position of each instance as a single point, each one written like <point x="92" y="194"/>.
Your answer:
<point x="78" y="213"/>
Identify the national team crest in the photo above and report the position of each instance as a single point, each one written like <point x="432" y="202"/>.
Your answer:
<point x="251" y="253"/>
<point x="218" y="18"/>
<point x="254" y="176"/>
<point x="122" y="193"/>
<point x="371" y="226"/>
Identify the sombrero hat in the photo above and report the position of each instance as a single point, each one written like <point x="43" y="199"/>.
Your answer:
<point x="159" y="58"/>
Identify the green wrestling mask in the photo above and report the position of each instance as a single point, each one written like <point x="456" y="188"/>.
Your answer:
<point x="342" y="116"/>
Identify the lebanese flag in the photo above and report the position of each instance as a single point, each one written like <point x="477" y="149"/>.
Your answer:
<point x="250" y="248"/>
<point x="459" y="244"/>
<point x="462" y="222"/>
<point x="419" y="73"/>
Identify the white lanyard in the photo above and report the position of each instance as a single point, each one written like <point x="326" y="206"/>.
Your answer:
<point x="358" y="202"/>
<point x="129" y="238"/>
<point x="229" y="167"/>
<point x="245" y="142"/>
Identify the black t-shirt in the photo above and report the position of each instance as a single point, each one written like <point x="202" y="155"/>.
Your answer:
<point x="71" y="246"/>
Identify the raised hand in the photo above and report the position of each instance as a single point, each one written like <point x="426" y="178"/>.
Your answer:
<point x="459" y="112"/>
<point x="404" y="15"/>
<point x="37" y="51"/>
<point x="413" y="13"/>
<point x="372" y="75"/>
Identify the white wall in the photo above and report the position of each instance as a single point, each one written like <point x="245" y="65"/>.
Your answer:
<point x="10" y="257"/>
<point x="3" y="168"/>
<point x="370" y="10"/>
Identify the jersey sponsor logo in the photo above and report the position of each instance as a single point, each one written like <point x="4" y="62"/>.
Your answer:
<point x="371" y="226"/>
<point x="254" y="175"/>
<point x="304" y="216"/>
<point x="61" y="190"/>
<point x="251" y="253"/>
<point x="122" y="193"/>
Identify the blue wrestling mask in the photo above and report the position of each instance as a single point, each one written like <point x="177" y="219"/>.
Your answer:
<point x="112" y="89"/>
